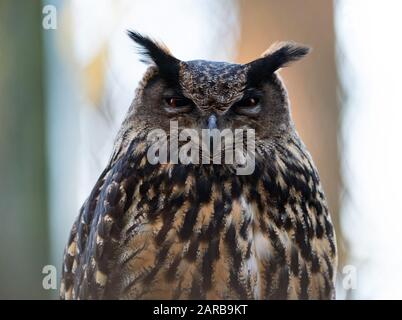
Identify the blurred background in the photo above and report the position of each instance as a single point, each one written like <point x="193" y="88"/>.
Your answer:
<point x="68" y="74"/>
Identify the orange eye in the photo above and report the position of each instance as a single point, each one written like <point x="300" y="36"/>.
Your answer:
<point x="250" y="102"/>
<point x="248" y="106"/>
<point x="175" y="102"/>
<point x="171" y="102"/>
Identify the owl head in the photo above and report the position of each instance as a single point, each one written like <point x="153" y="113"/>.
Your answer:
<point x="201" y="94"/>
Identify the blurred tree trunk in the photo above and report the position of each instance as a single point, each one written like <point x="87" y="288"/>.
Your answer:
<point x="312" y="82"/>
<point x="23" y="209"/>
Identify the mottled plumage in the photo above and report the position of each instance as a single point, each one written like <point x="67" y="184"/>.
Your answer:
<point x="200" y="231"/>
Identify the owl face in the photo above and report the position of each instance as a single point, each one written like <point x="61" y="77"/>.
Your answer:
<point x="203" y="94"/>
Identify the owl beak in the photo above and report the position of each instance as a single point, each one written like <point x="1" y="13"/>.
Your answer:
<point x="212" y="122"/>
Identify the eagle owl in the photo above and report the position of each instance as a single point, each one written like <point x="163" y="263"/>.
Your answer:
<point x="201" y="231"/>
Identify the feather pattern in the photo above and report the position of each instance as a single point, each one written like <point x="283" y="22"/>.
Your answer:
<point x="173" y="232"/>
<point x="199" y="231"/>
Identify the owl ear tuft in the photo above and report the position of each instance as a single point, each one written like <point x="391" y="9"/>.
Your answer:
<point x="158" y="54"/>
<point x="279" y="55"/>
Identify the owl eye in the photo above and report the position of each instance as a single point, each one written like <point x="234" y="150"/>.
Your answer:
<point x="250" y="102"/>
<point x="176" y="102"/>
<point x="248" y="106"/>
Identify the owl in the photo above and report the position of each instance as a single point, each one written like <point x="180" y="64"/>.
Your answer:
<point x="172" y="230"/>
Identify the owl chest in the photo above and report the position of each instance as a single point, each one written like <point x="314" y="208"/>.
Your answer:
<point x="213" y="250"/>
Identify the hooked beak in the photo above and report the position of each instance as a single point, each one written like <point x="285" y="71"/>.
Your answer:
<point x="212" y="122"/>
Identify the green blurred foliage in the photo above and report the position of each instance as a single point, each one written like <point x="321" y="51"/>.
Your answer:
<point x="23" y="208"/>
